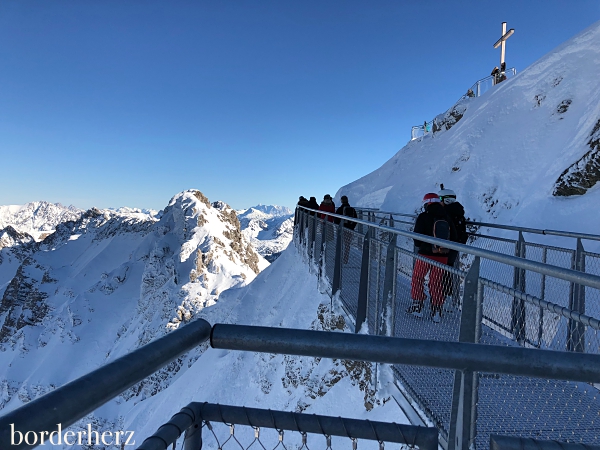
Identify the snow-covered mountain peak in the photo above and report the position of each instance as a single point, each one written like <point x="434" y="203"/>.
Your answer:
<point x="268" y="227"/>
<point x="261" y="211"/>
<point x="37" y="219"/>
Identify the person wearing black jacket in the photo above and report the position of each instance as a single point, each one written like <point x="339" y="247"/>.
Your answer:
<point x="456" y="212"/>
<point x="298" y="215"/>
<point x="346" y="210"/>
<point x="312" y="204"/>
<point x="434" y="211"/>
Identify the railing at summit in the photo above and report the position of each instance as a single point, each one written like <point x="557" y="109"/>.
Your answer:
<point x="478" y="89"/>
<point x="519" y="302"/>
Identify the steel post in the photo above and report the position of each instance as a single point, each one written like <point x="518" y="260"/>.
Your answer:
<point x="193" y="437"/>
<point x="576" y="330"/>
<point x="363" y="287"/>
<point x="463" y="410"/>
<point x="324" y="225"/>
<point x="313" y="236"/>
<point x="337" y="267"/>
<point x="389" y="283"/>
<point x="518" y="305"/>
<point x="360" y="217"/>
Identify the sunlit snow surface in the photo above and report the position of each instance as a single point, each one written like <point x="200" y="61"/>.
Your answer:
<point x="116" y="280"/>
<point x="504" y="156"/>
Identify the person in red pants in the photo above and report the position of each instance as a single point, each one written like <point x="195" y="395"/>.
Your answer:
<point x="430" y="222"/>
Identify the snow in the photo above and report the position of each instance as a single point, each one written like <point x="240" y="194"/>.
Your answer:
<point x="255" y="380"/>
<point x="506" y="153"/>
<point x="117" y="279"/>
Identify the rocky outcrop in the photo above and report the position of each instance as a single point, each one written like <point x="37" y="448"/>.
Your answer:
<point x="234" y="233"/>
<point x="584" y="173"/>
<point x="449" y="118"/>
<point x="22" y="303"/>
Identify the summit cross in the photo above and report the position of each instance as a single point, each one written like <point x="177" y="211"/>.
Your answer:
<point x="502" y="42"/>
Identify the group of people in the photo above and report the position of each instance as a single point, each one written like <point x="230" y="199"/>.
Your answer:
<point x="443" y="217"/>
<point x="328" y="206"/>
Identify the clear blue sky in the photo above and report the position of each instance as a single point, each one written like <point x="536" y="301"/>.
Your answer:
<point x="126" y="103"/>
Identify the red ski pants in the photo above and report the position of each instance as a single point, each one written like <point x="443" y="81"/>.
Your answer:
<point x="417" y="291"/>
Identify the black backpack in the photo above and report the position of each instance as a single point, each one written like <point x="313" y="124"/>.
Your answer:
<point x="441" y="230"/>
<point x="349" y="211"/>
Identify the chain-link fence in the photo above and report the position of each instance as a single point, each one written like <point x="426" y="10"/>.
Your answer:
<point x="518" y="307"/>
<point x="427" y="307"/>
<point x="225" y="427"/>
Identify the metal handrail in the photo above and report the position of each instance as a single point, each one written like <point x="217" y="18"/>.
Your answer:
<point x="194" y="414"/>
<point x="577" y="277"/>
<point x="571" y="366"/>
<point x="74" y="400"/>
<point x="576" y="235"/>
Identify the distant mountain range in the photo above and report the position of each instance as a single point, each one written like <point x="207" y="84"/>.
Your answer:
<point x="268" y="228"/>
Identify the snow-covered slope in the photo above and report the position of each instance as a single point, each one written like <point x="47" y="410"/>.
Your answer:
<point x="38" y="219"/>
<point x="527" y="152"/>
<point x="107" y="283"/>
<point x="268" y="228"/>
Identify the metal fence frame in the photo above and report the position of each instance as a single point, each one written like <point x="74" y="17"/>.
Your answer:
<point x="467" y="357"/>
<point x="379" y="229"/>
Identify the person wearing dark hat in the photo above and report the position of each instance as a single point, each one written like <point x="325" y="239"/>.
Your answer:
<point x="433" y="218"/>
<point x="456" y="212"/>
<point x="346" y="210"/>
<point x="312" y="204"/>
<point x="327" y="205"/>
<point x="301" y="202"/>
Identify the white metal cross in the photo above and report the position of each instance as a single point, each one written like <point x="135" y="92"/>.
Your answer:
<point x="502" y="42"/>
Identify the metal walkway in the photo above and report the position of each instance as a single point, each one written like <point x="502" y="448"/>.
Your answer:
<point x="520" y="406"/>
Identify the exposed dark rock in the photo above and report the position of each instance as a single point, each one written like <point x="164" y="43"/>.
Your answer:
<point x="564" y="106"/>
<point x="22" y="303"/>
<point x="538" y="100"/>
<point x="584" y="173"/>
<point x="449" y="118"/>
<point x="200" y="196"/>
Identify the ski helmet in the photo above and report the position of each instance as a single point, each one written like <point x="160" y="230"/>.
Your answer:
<point x="447" y="196"/>
<point x="431" y="198"/>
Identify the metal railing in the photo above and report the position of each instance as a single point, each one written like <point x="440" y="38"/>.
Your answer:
<point x="198" y="416"/>
<point x="456" y="381"/>
<point x="478" y="89"/>
<point x="575" y="258"/>
<point x="74" y="400"/>
<point x="375" y="273"/>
